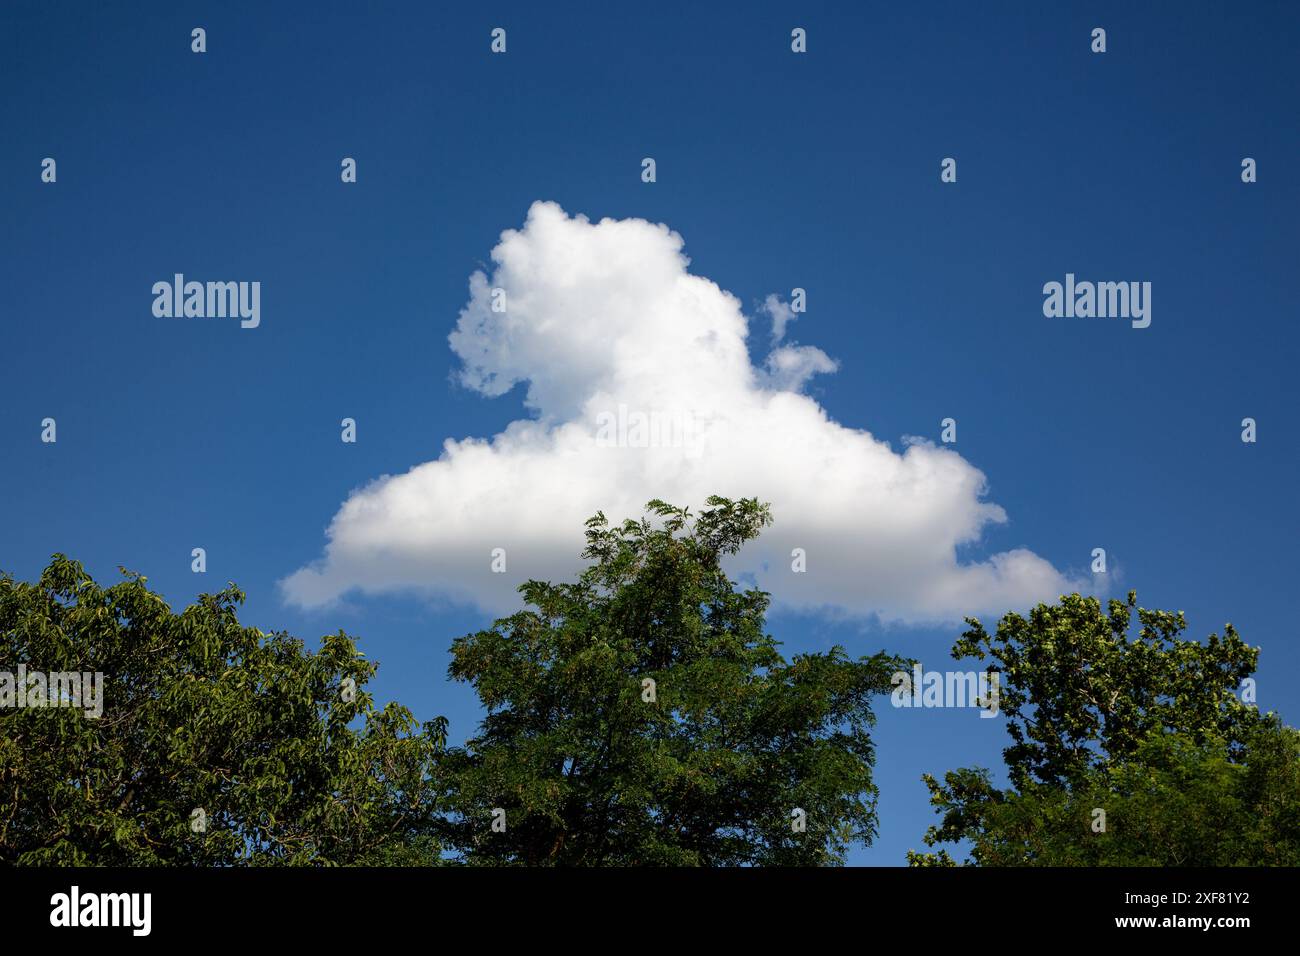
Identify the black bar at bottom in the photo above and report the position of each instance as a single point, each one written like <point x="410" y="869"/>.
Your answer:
<point x="454" y="906"/>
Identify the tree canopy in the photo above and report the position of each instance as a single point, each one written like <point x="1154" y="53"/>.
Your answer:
<point x="641" y="715"/>
<point x="1127" y="748"/>
<point x="638" y="715"/>
<point x="217" y="744"/>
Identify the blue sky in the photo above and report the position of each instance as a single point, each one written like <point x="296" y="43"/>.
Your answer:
<point x="818" y="171"/>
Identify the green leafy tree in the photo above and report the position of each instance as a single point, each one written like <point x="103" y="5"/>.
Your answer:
<point x="642" y="716"/>
<point x="1173" y="802"/>
<point x="1145" y="726"/>
<point x="218" y="744"/>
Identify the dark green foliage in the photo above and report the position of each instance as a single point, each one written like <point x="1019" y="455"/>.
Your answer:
<point x="291" y="763"/>
<point x="588" y="772"/>
<point x="1173" y="802"/>
<point x="200" y="713"/>
<point x="1145" y="727"/>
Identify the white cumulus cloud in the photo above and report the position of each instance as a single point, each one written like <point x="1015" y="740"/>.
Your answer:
<point x="641" y="386"/>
